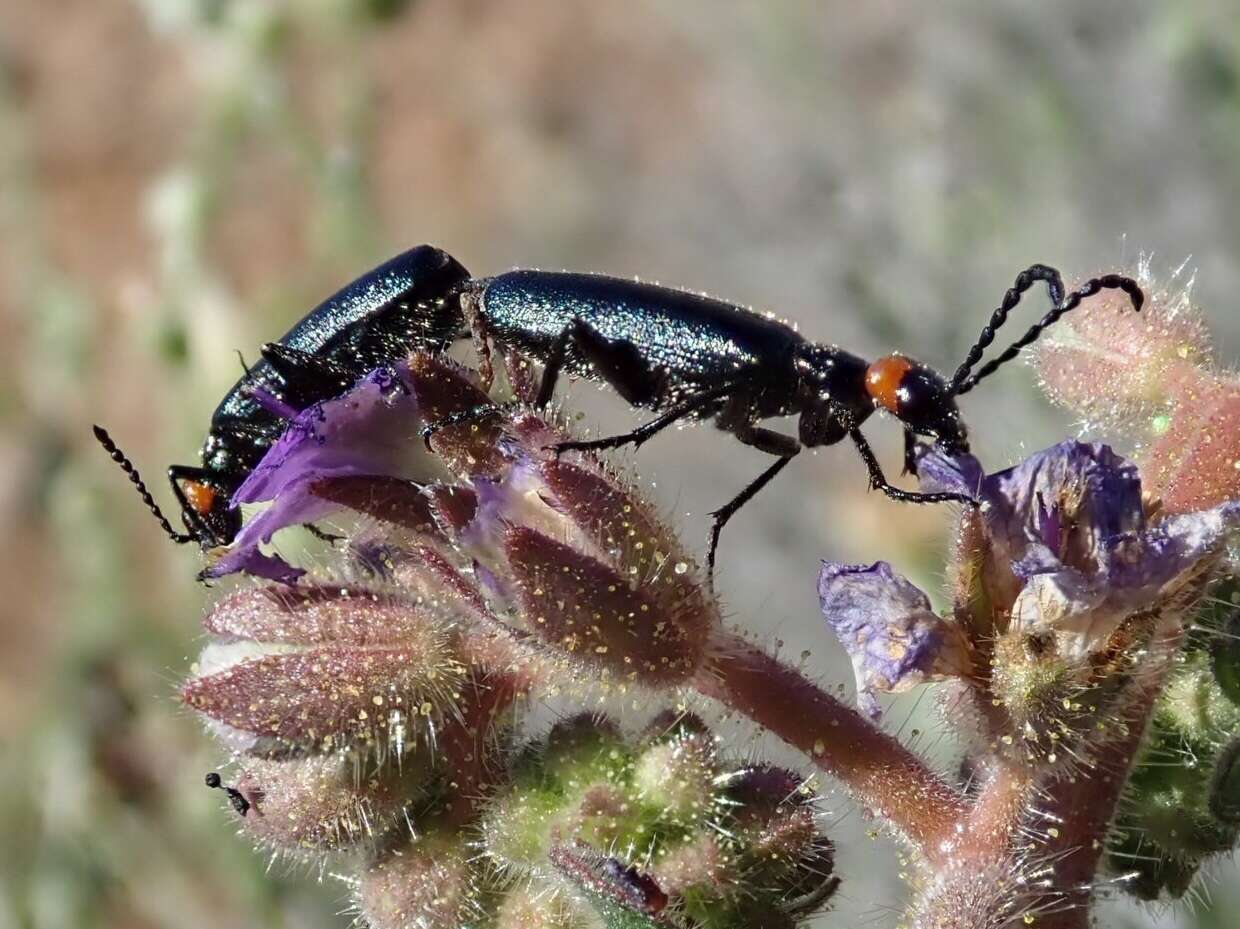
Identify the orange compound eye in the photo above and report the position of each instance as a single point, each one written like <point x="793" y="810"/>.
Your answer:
<point x="883" y="380"/>
<point x="200" y="496"/>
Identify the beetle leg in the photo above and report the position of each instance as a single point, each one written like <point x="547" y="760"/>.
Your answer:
<point x="482" y="411"/>
<point x="551" y="369"/>
<point x="879" y="482"/>
<point x="621" y="364"/>
<point x="910" y="452"/>
<point x="617" y="362"/>
<point x="330" y="537"/>
<point x="735" y="419"/>
<point x="694" y="404"/>
<point x="726" y="512"/>
<point x="481" y="337"/>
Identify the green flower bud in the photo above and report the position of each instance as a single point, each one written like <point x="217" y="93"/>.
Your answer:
<point x="663" y="825"/>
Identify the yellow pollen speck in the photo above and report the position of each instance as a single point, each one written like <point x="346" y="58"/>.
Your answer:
<point x="819" y="746"/>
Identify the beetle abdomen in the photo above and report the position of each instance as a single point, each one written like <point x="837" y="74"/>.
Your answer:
<point x="692" y="338"/>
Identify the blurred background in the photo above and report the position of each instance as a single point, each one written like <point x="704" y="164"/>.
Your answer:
<point x="180" y="179"/>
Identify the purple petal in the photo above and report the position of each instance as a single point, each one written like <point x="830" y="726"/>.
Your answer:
<point x="1088" y="484"/>
<point x="367" y="432"/>
<point x="295" y="506"/>
<point x="1149" y="561"/>
<point x="888" y="629"/>
<point x="939" y="472"/>
<point x="245" y="558"/>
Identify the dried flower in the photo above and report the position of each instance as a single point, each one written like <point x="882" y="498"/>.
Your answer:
<point x="1063" y="580"/>
<point x="887" y="627"/>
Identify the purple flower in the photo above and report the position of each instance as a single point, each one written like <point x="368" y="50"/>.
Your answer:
<point x="888" y="629"/>
<point x="1074" y="550"/>
<point x="565" y="549"/>
<point x="369" y="431"/>
<point x="1060" y="556"/>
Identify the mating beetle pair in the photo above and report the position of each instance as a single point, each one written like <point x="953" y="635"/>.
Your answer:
<point x="682" y="355"/>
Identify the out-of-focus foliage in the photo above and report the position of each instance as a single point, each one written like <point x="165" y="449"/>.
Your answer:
<point x="181" y="179"/>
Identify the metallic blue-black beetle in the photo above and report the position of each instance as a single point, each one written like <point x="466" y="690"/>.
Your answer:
<point x="683" y="355"/>
<point x="396" y="308"/>
<point x="688" y="356"/>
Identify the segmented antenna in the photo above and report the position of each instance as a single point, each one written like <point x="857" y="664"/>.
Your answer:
<point x="235" y="797"/>
<point x="963" y="382"/>
<point x="127" y="466"/>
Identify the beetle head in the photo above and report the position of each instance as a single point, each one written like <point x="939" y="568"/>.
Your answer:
<point x="206" y="506"/>
<point x="917" y="396"/>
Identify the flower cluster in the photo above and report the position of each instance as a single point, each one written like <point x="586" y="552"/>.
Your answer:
<point x="662" y="825"/>
<point x="369" y="693"/>
<point x="1064" y="582"/>
<point x="370" y="690"/>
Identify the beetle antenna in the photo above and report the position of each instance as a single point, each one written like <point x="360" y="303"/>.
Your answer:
<point x="127" y="466"/>
<point x="1024" y="281"/>
<point x="963" y="381"/>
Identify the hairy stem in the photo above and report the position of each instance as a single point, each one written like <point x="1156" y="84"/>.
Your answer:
<point x="1030" y="847"/>
<point x="1083" y="807"/>
<point x="882" y="774"/>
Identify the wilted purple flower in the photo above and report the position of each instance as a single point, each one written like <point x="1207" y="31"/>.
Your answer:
<point x="1073" y="551"/>
<point x="888" y="629"/>
<point x="1060" y="557"/>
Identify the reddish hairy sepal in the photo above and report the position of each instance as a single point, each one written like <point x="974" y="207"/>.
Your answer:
<point x="453" y="507"/>
<point x="426" y="884"/>
<point x="588" y="611"/>
<point x="471" y="746"/>
<point x="1152" y="376"/>
<point x="443" y="388"/>
<point x="1114" y="366"/>
<point x="325" y="803"/>
<point x="317" y="615"/>
<point x="1195" y="463"/>
<point x="621" y="525"/>
<point x="390" y="499"/>
<point x="328" y="697"/>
